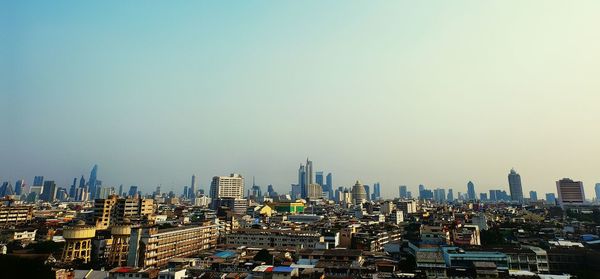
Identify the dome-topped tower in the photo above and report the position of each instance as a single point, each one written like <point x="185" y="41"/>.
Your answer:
<point x="359" y="194"/>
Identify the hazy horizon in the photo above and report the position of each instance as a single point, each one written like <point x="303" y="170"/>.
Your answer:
<point x="401" y="93"/>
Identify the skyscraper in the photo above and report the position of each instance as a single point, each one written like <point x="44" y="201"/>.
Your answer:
<point x="132" y="190"/>
<point x="402" y="191"/>
<point x="309" y="172"/>
<point x="302" y="181"/>
<point x="319" y="178"/>
<point x="73" y="189"/>
<point x="93" y="182"/>
<point x="376" y="191"/>
<point x="37" y="187"/>
<point x="329" y="185"/>
<point x="38" y="181"/>
<point x="570" y="192"/>
<point x="450" y="196"/>
<point x="368" y="191"/>
<point x="192" y="189"/>
<point x="49" y="192"/>
<point x="533" y="195"/>
<point x="550" y="198"/>
<point x="597" y="188"/>
<point x="439" y="195"/>
<point x="515" y="187"/>
<point x="231" y="186"/>
<point x="20" y="187"/>
<point x="471" y="191"/>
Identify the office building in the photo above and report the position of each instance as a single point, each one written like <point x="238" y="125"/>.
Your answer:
<point x="402" y="191"/>
<point x="93" y="182"/>
<point x="315" y="191"/>
<point x="376" y="191"/>
<point x="192" y="189"/>
<point x="450" y="196"/>
<point x="550" y="198"/>
<point x="570" y="192"/>
<point x="329" y="185"/>
<point x="515" y="187"/>
<point x="319" y="178"/>
<point x="533" y="195"/>
<point x="20" y="187"/>
<point x="132" y="191"/>
<point x="49" y="191"/>
<point x="597" y="189"/>
<point x="471" y="191"/>
<point x="439" y="195"/>
<point x="231" y="186"/>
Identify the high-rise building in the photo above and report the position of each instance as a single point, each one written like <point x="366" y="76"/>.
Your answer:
<point x="302" y="180"/>
<point x="192" y="189"/>
<point x="20" y="187"/>
<point x="38" y="186"/>
<point x="73" y="189"/>
<point x="38" y="181"/>
<point x="550" y="198"/>
<point x="439" y="195"/>
<point x="271" y="192"/>
<point x="132" y="190"/>
<point x="376" y="191"/>
<point x="450" y="196"/>
<point x="255" y="191"/>
<point x="49" y="192"/>
<point x="533" y="195"/>
<point x="483" y="196"/>
<point x="368" y="191"/>
<point x="121" y="190"/>
<point x="471" y="191"/>
<point x="402" y="191"/>
<point x="296" y="192"/>
<point x="319" y="178"/>
<point x="597" y="188"/>
<point x="515" y="187"/>
<point x="227" y="186"/>
<point x="315" y="191"/>
<point x="309" y="172"/>
<point x="359" y="194"/>
<point x="329" y="185"/>
<point x="570" y="192"/>
<point x="93" y="182"/>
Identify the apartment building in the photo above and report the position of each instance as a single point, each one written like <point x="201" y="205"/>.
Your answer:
<point x="15" y="215"/>
<point x="273" y="238"/>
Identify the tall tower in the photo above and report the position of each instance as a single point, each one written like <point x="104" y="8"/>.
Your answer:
<point x="515" y="187"/>
<point x="192" y="190"/>
<point x="309" y="172"/>
<point x="120" y="245"/>
<point x="93" y="182"/>
<point x="78" y="242"/>
<point x="302" y="181"/>
<point x="471" y="191"/>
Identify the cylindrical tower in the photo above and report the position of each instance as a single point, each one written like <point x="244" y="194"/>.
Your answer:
<point x="78" y="242"/>
<point x="120" y="245"/>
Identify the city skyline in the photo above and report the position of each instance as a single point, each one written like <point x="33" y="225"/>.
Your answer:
<point x="398" y="93"/>
<point x="286" y="189"/>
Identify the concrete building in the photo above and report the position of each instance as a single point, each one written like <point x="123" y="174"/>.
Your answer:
<point x="15" y="215"/>
<point x="570" y="192"/>
<point x="273" y="238"/>
<point x="515" y="186"/>
<point x="115" y="210"/>
<point x="231" y="186"/>
<point x="151" y="247"/>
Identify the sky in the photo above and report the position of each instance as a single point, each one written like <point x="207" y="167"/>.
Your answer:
<point x="400" y="92"/>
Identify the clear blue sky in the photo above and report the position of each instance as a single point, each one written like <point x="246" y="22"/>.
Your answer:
<point x="401" y="92"/>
